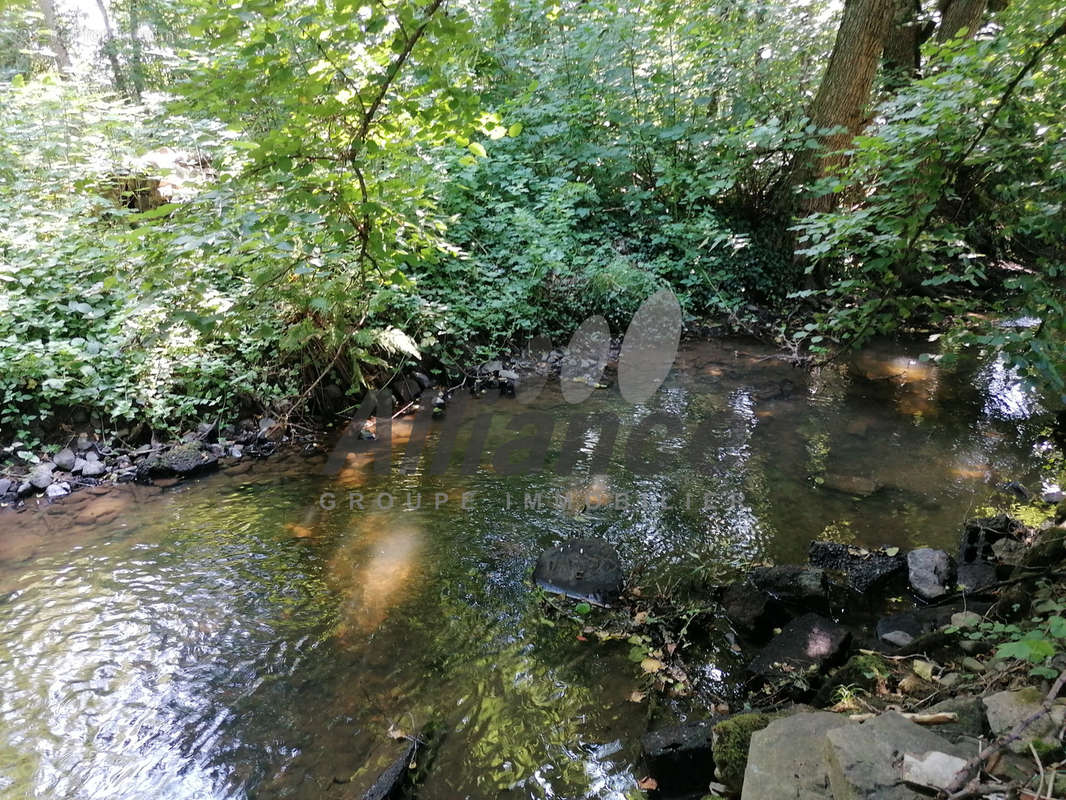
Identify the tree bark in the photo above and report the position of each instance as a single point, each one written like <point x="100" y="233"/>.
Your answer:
<point x="844" y="93"/>
<point x="59" y="47"/>
<point x="903" y="44"/>
<point x="136" y="59"/>
<point x="960" y="18"/>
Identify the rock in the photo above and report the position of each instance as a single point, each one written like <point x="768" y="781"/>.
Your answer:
<point x="1053" y="497"/>
<point x="25" y="488"/>
<point x="850" y="484"/>
<point x="808" y="643"/>
<point x="65" y="459"/>
<point x="184" y="460"/>
<point x="84" y="443"/>
<point x="490" y="367"/>
<point x="57" y="490"/>
<point x="1009" y="551"/>
<point x="865" y="761"/>
<point x="731" y="739"/>
<point x="423" y="380"/>
<point x="1048" y="550"/>
<point x="793" y="584"/>
<point x="394" y="776"/>
<point x="236" y="451"/>
<point x="40" y="477"/>
<point x="1016" y="490"/>
<point x="752" y="611"/>
<point x="680" y="758"/>
<point x="585" y="569"/>
<point x="973" y="665"/>
<point x="93" y="469"/>
<point x="1006" y="709"/>
<point x="786" y="760"/>
<point x="864" y="569"/>
<point x="79" y="465"/>
<point x="406" y="389"/>
<point x="933" y="770"/>
<point x="931" y="572"/>
<point x="6" y="485"/>
<point x="980" y="534"/>
<point x="970" y="725"/>
<point x="976" y="576"/>
<point x="966" y="619"/>
<point x="207" y="431"/>
<point x="862" y="670"/>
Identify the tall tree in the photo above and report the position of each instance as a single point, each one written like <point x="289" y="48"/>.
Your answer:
<point x="111" y="47"/>
<point x="59" y="47"/>
<point x="904" y="43"/>
<point x="844" y="93"/>
<point x="960" y="18"/>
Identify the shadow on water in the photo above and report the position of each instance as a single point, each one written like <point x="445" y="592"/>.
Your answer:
<point x="241" y="638"/>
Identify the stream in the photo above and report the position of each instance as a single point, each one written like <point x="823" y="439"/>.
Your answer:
<point x="274" y="630"/>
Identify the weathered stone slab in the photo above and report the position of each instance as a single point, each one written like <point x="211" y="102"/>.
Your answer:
<point x="865" y="569"/>
<point x="810" y="642"/>
<point x="786" y="760"/>
<point x="1006" y="709"/>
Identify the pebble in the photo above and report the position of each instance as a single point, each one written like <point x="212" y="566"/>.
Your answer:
<point x="972" y="664"/>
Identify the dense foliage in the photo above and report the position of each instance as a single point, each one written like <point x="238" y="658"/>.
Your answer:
<point x="364" y="185"/>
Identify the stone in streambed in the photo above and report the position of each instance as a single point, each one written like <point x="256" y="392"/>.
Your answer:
<point x="864" y="569"/>
<point x="40" y="477"/>
<point x="584" y="569"/>
<point x="854" y="485"/>
<point x="65" y="459"/>
<point x="787" y="759"/>
<point x="931" y="572"/>
<point x="808" y="643"/>
<point x="1005" y="710"/>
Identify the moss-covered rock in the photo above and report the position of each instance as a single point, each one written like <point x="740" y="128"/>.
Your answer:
<point x="731" y="739"/>
<point x="863" y="671"/>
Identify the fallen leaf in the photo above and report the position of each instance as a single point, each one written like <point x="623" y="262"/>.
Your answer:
<point x="648" y="784"/>
<point x="670" y="648"/>
<point x="923" y="669"/>
<point x="651" y="665"/>
<point x="637" y="697"/>
<point x="891" y="551"/>
<point x="640" y="617"/>
<point x="581" y="638"/>
<point x="397" y="733"/>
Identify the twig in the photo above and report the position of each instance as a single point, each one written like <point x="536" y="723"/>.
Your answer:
<point x="939" y="718"/>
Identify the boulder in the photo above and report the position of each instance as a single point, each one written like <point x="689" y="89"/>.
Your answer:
<point x="866" y="761"/>
<point x="864" y="569"/>
<point x="793" y="584"/>
<point x="1008" y="708"/>
<point x="584" y="569"/>
<point x="751" y="611"/>
<point x="93" y="468"/>
<point x="807" y="644"/>
<point x="931" y="572"/>
<point x="731" y="739"/>
<point x="976" y="576"/>
<point x="850" y="484"/>
<point x="6" y="485"/>
<point x="185" y="460"/>
<point x="981" y="533"/>
<point x="65" y="459"/>
<point x="680" y="758"/>
<point x="40" y="477"/>
<point x="786" y="760"/>
<point x="970" y="725"/>
<point x="1048" y="550"/>
<point x="55" y="490"/>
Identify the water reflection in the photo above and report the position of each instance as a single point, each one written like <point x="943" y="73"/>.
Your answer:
<point x="237" y="638"/>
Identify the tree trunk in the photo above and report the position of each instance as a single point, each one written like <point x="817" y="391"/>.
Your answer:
<point x="136" y="59"/>
<point x="903" y="44"/>
<point x="960" y="18"/>
<point x="110" y="46"/>
<point x="844" y="93"/>
<point x="59" y="47"/>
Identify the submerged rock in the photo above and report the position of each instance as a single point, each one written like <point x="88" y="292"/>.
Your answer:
<point x="931" y="572"/>
<point x="680" y="758"/>
<point x="751" y="610"/>
<point x="976" y="576"/>
<point x="854" y="485"/>
<point x="585" y="569"/>
<point x="808" y="643"/>
<point x="793" y="584"/>
<point x="864" y="569"/>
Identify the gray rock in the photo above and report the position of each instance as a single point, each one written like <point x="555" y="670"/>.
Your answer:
<point x="184" y="460"/>
<point x="1053" y="497"/>
<point x="931" y="572"/>
<point x="25" y="488"/>
<point x="865" y="569"/>
<point x="865" y="761"/>
<point x="79" y="464"/>
<point x="970" y="725"/>
<point x="752" y="611"/>
<point x="236" y="451"/>
<point x="810" y="642"/>
<point x="933" y="770"/>
<point x="680" y="757"/>
<point x="976" y="576"/>
<point x="980" y="534"/>
<point x="84" y="443"/>
<point x="1008" y="708"/>
<point x="966" y="619"/>
<point x="5" y="486"/>
<point x="93" y="469"/>
<point x="92" y="455"/>
<point x="793" y="584"/>
<point x="850" y="484"/>
<point x="65" y="459"/>
<point x="40" y="477"/>
<point x="585" y="569"/>
<point x="786" y="759"/>
<point x="57" y="490"/>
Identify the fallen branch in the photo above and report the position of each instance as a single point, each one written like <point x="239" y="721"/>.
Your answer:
<point x="938" y="718"/>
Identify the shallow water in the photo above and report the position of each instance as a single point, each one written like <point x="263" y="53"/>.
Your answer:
<point x="253" y="635"/>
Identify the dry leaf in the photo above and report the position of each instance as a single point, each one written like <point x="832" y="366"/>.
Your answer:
<point x="397" y="733"/>
<point x="651" y="665"/>
<point x="648" y="784"/>
<point x="637" y="697"/>
<point x="923" y="669"/>
<point x="640" y="617"/>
